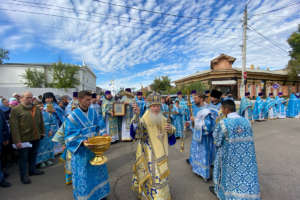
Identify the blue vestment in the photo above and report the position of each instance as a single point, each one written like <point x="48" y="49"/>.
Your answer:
<point x="164" y="109"/>
<point x="235" y="169"/>
<point x="89" y="182"/>
<point x="280" y="107"/>
<point x="246" y="108"/>
<point x="293" y="107"/>
<point x="142" y="106"/>
<point x="258" y="110"/>
<point x="46" y="146"/>
<point x="201" y="150"/>
<point x="270" y="108"/>
<point x="177" y="121"/>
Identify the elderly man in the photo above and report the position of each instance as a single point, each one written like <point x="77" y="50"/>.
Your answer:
<point x="27" y="127"/>
<point x="153" y="132"/>
<point x="89" y="181"/>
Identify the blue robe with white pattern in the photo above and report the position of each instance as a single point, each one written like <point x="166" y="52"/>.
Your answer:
<point x="270" y="108"/>
<point x="246" y="108"/>
<point x="89" y="182"/>
<point x="201" y="149"/>
<point x="235" y="173"/>
<point x="46" y="146"/>
<point x="280" y="107"/>
<point x="177" y="121"/>
<point x="258" y="110"/>
<point x="164" y="109"/>
<point x="142" y="105"/>
<point x="293" y="107"/>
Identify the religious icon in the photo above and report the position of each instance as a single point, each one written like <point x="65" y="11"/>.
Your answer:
<point x="118" y="109"/>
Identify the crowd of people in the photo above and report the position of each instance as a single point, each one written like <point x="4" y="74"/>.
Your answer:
<point x="34" y="130"/>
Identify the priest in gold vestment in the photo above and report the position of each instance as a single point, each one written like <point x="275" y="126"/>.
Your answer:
<point x="153" y="133"/>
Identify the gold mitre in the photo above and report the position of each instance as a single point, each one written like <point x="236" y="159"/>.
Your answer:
<point x="154" y="98"/>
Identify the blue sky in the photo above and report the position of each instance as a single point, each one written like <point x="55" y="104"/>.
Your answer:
<point x="121" y="42"/>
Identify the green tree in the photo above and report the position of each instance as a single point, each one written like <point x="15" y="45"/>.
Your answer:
<point x="161" y="84"/>
<point x="34" y="78"/>
<point x="294" y="63"/>
<point x="64" y="75"/>
<point x="3" y="55"/>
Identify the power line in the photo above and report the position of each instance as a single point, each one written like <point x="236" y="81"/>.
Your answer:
<point x="166" y="14"/>
<point x="259" y="44"/>
<point x="268" y="39"/>
<point x="92" y="21"/>
<point x="71" y="10"/>
<point x="277" y="9"/>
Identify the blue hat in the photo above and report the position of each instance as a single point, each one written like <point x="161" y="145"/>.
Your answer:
<point x="206" y="92"/>
<point x="139" y="94"/>
<point x="128" y="90"/>
<point x="260" y="94"/>
<point x="179" y="92"/>
<point x="247" y="94"/>
<point x="75" y="94"/>
<point x="94" y="95"/>
<point x="280" y="93"/>
<point x="194" y="91"/>
<point x="270" y="94"/>
<point x="107" y="92"/>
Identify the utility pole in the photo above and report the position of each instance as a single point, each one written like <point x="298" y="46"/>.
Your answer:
<point x="244" y="49"/>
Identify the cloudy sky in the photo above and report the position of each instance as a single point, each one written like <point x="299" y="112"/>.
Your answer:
<point x="132" y="42"/>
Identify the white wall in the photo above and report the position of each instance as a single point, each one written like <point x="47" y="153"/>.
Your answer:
<point x="11" y="76"/>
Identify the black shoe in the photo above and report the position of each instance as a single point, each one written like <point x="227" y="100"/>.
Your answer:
<point x="212" y="190"/>
<point x="188" y="161"/>
<point x="25" y="180"/>
<point x="36" y="173"/>
<point x="4" y="184"/>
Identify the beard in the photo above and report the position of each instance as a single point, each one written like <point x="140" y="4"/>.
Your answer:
<point x="156" y="119"/>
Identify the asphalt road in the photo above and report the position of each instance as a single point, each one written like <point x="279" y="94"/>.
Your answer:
<point x="277" y="145"/>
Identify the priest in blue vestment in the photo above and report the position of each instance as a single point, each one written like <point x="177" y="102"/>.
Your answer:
<point x="89" y="182"/>
<point x="270" y="107"/>
<point x="258" y="110"/>
<point x="235" y="174"/>
<point x="280" y="106"/>
<point x="184" y="107"/>
<point x="141" y="103"/>
<point x="215" y="108"/>
<point x="177" y="119"/>
<point x="201" y="148"/>
<point x="72" y="104"/>
<point x="164" y="107"/>
<point x="293" y="107"/>
<point x="246" y="107"/>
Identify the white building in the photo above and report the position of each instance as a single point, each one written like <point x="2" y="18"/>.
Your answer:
<point x="11" y="75"/>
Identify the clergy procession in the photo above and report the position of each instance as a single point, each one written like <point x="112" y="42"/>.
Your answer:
<point x="78" y="131"/>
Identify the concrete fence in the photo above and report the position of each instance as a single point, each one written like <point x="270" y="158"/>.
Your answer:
<point x="8" y="91"/>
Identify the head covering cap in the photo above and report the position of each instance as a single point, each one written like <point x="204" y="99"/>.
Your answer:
<point x="75" y="94"/>
<point x="107" y="92"/>
<point x="247" y="94"/>
<point x="154" y="99"/>
<point x="280" y="93"/>
<point x="260" y="94"/>
<point x="194" y="92"/>
<point x="179" y="93"/>
<point x="94" y="95"/>
<point x="139" y="94"/>
<point x="127" y="90"/>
